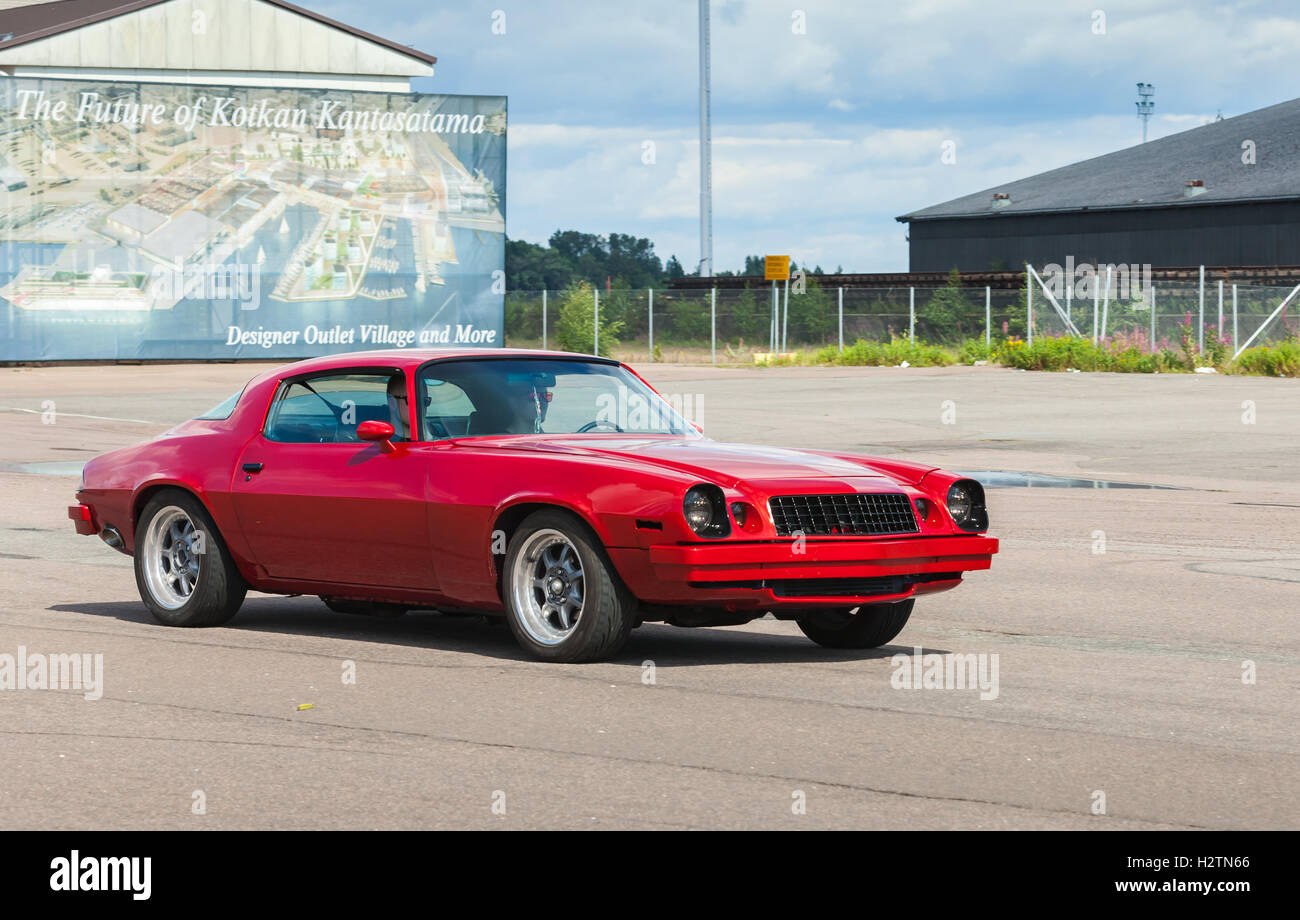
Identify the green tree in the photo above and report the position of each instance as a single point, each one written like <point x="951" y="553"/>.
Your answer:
<point x="941" y="318"/>
<point x="813" y="317"/>
<point x="687" y="320"/>
<point x="574" y="328"/>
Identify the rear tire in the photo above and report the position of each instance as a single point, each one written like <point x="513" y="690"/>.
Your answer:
<point x="872" y="626"/>
<point x="183" y="569"/>
<point x="563" y="599"/>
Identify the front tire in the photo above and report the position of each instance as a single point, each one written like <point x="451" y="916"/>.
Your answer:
<point x="182" y="568"/>
<point x="872" y="626"/>
<point x="563" y="599"/>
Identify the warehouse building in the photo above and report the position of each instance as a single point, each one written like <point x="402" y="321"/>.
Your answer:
<point x="150" y="149"/>
<point x="230" y="42"/>
<point x="1224" y="194"/>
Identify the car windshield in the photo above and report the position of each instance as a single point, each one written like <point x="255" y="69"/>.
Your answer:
<point x="485" y="396"/>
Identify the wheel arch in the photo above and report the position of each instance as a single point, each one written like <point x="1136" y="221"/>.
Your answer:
<point x="508" y="518"/>
<point x="147" y="491"/>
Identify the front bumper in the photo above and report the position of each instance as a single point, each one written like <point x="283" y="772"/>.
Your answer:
<point x="789" y="574"/>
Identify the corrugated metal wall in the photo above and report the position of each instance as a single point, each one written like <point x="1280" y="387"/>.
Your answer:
<point x="1265" y="233"/>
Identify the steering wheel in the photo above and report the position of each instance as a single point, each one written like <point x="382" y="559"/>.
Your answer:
<point x="598" y="423"/>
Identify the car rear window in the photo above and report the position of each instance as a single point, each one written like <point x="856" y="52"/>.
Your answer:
<point x="224" y="409"/>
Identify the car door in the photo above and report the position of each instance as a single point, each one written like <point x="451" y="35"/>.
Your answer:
<point x="318" y="504"/>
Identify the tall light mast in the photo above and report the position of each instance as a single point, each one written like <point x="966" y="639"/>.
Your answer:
<point x="706" y="153"/>
<point x="1145" y="106"/>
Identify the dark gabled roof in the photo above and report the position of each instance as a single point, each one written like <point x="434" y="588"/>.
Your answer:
<point x="41" y="20"/>
<point x="1155" y="174"/>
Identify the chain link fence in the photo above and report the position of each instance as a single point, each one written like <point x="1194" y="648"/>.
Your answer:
<point x="733" y="325"/>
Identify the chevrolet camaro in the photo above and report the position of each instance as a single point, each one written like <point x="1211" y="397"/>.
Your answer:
<point x="560" y="492"/>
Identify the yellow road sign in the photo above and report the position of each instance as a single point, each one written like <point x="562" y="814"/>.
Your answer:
<point x="776" y="268"/>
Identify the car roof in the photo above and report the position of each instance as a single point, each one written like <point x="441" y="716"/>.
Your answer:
<point x="408" y="359"/>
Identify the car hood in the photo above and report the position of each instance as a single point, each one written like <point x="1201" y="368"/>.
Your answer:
<point x="701" y="458"/>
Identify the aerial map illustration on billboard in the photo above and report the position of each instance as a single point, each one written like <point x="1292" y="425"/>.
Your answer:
<point x="143" y="221"/>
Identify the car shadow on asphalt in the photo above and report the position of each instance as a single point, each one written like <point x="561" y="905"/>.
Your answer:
<point x="665" y="646"/>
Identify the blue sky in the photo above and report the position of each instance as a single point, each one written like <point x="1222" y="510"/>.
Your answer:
<point x="822" y="137"/>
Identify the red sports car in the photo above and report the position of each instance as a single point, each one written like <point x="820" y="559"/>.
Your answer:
<point x="559" y="491"/>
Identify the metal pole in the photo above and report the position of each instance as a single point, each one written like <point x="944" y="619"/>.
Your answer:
<point x="713" y="326"/>
<point x="706" y="152"/>
<point x="911" y="314"/>
<point x="841" y="319"/>
<point x="595" y="319"/>
<point x="1234" y="316"/>
<point x="543" y="319"/>
<point x="1200" y="325"/>
<point x="1096" y="307"/>
<point x="771" y="327"/>
<point x="1070" y="327"/>
<point x="651" y="316"/>
<point x="785" y="325"/>
<point x="1105" y="307"/>
<point x="988" y="314"/>
<point x="1152" y="288"/>
<point x="1029" y="304"/>
<point x="1220" y="326"/>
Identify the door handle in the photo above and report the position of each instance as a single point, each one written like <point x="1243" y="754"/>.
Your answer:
<point x="252" y="467"/>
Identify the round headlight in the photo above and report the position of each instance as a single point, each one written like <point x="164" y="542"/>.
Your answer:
<point x="966" y="505"/>
<point x="698" y="508"/>
<point x="960" y="503"/>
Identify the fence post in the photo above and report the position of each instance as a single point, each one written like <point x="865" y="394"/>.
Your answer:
<point x="1220" y="326"/>
<point x="1096" y="308"/>
<point x="543" y="319"/>
<point x="1152" y="288"/>
<point x="1234" y="316"/>
<point x="713" y="326"/>
<point x="595" y="319"/>
<point x="651" y="316"/>
<point x="911" y="314"/>
<point x="1105" y="307"/>
<point x="1029" y="305"/>
<point x="785" y="325"/>
<point x="1200" y="325"/>
<point x="841" y="319"/>
<point x="771" y="329"/>
<point x="988" y="315"/>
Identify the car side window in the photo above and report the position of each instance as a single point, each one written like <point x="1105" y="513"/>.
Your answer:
<point x="447" y="409"/>
<point x="327" y="409"/>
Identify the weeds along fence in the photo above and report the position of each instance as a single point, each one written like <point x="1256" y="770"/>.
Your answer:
<point x="731" y="325"/>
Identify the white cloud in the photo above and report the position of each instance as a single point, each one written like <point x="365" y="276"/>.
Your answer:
<point x="821" y="138"/>
<point x="829" y="198"/>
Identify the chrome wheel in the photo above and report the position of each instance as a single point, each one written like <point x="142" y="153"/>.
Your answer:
<point x="171" y="562"/>
<point x="548" y="587"/>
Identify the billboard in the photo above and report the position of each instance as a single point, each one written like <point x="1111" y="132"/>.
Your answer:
<point x="158" y="221"/>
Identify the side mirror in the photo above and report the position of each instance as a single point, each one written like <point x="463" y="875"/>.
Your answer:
<point x="380" y="432"/>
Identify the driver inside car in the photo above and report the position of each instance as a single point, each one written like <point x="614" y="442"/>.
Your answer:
<point x="398" y="412"/>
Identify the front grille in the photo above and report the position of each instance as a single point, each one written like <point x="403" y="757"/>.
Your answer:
<point x="856" y="514"/>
